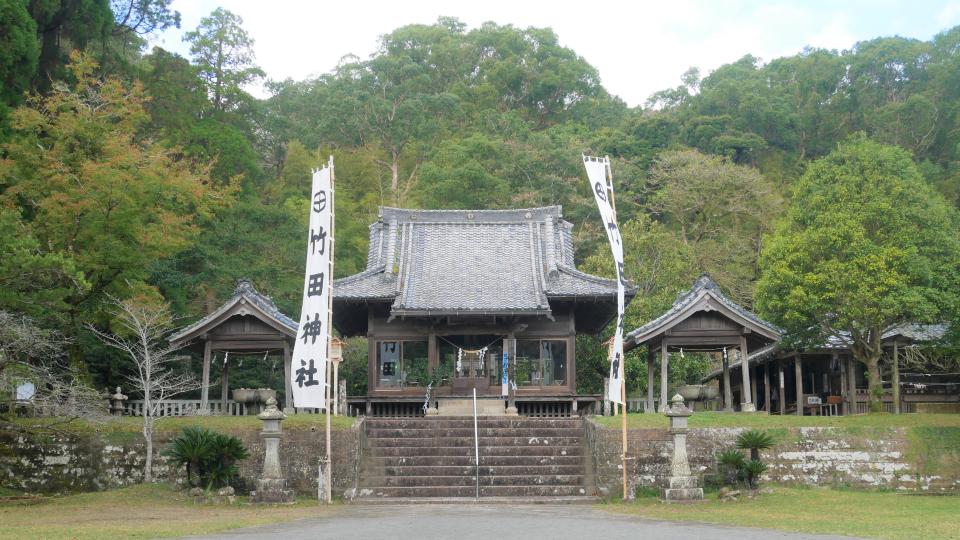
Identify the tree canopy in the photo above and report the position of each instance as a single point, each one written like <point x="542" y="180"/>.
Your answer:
<point x="866" y="245"/>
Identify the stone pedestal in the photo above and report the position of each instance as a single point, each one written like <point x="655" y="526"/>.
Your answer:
<point x="680" y="486"/>
<point x="271" y="487"/>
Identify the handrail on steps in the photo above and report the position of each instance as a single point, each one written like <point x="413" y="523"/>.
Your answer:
<point x="476" y="441"/>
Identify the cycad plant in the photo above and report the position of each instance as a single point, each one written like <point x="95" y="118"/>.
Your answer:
<point x="192" y="447"/>
<point x="752" y="470"/>
<point x="755" y="440"/>
<point x="731" y="462"/>
<point x="211" y="455"/>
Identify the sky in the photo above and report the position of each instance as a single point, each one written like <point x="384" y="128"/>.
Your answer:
<point x="638" y="47"/>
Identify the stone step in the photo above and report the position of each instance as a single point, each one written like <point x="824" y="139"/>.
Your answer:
<point x="467" y="460"/>
<point x="464" y="480"/>
<point x="573" y="499"/>
<point x="432" y="432"/>
<point x="467" y="422"/>
<point x="454" y="451"/>
<point x="484" y="442"/>
<point x="371" y="469"/>
<point x="470" y="491"/>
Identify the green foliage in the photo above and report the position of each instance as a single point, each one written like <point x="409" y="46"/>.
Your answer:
<point x="223" y="52"/>
<point x="752" y="470"/>
<point x="865" y="245"/>
<point x="210" y="455"/>
<point x="730" y="463"/>
<point x="18" y="51"/>
<point x="101" y="202"/>
<point x="755" y="440"/>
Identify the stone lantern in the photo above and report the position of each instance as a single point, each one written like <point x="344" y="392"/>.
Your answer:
<point x="680" y="486"/>
<point x="116" y="403"/>
<point x="271" y="487"/>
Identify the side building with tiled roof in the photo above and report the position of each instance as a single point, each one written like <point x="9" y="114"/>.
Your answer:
<point x="447" y="292"/>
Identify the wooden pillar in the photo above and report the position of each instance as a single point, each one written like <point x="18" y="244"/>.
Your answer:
<point x="727" y="390"/>
<point x="753" y="386"/>
<point x="205" y="381"/>
<point x="766" y="387"/>
<point x="287" y="373"/>
<point x="852" y="382"/>
<point x="664" y="365"/>
<point x="650" y="407"/>
<point x="798" y="372"/>
<point x="896" y="377"/>
<point x="225" y="385"/>
<point x="748" y="389"/>
<point x="783" y="391"/>
<point x="845" y="407"/>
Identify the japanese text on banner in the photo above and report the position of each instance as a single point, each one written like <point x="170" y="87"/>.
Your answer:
<point x="602" y="189"/>
<point x="308" y="373"/>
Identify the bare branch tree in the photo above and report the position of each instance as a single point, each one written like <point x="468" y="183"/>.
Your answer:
<point x="142" y="330"/>
<point x="31" y="353"/>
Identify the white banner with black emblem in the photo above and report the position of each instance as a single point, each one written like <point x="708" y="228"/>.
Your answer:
<point x="601" y="185"/>
<point x="309" y="369"/>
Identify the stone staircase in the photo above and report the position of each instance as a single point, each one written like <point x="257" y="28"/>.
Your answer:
<point x="432" y="458"/>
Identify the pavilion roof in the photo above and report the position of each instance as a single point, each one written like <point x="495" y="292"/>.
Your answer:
<point x="461" y="262"/>
<point x="704" y="295"/>
<point x="248" y="300"/>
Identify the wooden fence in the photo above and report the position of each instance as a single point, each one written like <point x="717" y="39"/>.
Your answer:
<point x="186" y="407"/>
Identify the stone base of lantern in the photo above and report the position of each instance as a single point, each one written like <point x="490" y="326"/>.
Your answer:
<point x="272" y="491"/>
<point x="682" y="489"/>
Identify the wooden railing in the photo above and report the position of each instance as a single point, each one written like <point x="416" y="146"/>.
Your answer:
<point x="186" y="407"/>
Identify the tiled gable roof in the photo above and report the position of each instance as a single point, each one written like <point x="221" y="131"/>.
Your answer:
<point x="244" y="291"/>
<point x="471" y="261"/>
<point x="703" y="287"/>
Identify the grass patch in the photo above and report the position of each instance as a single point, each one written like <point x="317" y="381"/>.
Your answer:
<point x="885" y="515"/>
<point x="134" y="425"/>
<point x="142" y="511"/>
<point x="935" y="450"/>
<point x="753" y="420"/>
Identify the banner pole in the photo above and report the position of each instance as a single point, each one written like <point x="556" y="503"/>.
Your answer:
<point x="329" y="392"/>
<point x="623" y="380"/>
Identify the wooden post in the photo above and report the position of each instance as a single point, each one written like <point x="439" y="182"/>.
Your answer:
<point x="766" y="388"/>
<point x="852" y="382"/>
<point x="746" y="385"/>
<point x="753" y="387"/>
<point x="798" y="372"/>
<point x="205" y="389"/>
<point x="896" y="377"/>
<point x="845" y="407"/>
<point x="336" y="389"/>
<point x="333" y="222"/>
<point x="225" y="385"/>
<point x="727" y="390"/>
<point x="783" y="391"/>
<point x="623" y="427"/>
<point x="650" y="407"/>
<point x="287" y="382"/>
<point x="664" y="365"/>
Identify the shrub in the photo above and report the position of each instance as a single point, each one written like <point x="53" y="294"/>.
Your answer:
<point x="755" y="440"/>
<point x="752" y="470"/>
<point x="211" y="455"/>
<point x="730" y="462"/>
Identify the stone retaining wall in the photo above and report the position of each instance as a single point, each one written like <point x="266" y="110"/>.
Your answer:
<point x="874" y="458"/>
<point x="97" y="461"/>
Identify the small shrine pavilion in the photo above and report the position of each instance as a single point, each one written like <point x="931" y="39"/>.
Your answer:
<point x="247" y="322"/>
<point x="703" y="319"/>
<point x="446" y="293"/>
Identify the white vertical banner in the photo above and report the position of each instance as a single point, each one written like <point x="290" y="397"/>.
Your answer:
<point x="310" y="352"/>
<point x="601" y="185"/>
